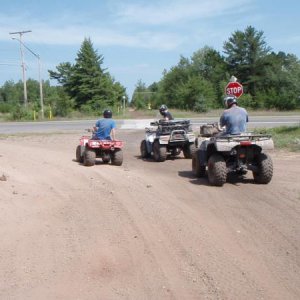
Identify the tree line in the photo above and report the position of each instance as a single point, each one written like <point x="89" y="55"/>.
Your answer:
<point x="270" y="80"/>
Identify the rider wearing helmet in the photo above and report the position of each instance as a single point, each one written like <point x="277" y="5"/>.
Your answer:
<point x="165" y="112"/>
<point x="104" y="129"/>
<point x="234" y="118"/>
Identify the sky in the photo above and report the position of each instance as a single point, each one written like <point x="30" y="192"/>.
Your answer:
<point x="138" y="39"/>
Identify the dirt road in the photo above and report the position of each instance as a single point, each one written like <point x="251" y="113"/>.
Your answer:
<point x="144" y="230"/>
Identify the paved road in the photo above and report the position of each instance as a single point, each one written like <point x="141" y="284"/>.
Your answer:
<point x="80" y="125"/>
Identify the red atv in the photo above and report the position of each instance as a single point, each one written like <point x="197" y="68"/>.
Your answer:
<point x="109" y="151"/>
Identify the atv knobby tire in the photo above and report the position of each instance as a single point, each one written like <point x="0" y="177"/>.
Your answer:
<point x="79" y="153"/>
<point x="117" y="158"/>
<point x="216" y="170"/>
<point x="189" y="150"/>
<point x="265" y="169"/>
<point x="143" y="149"/>
<point x="198" y="170"/>
<point x="159" y="152"/>
<point x="89" y="157"/>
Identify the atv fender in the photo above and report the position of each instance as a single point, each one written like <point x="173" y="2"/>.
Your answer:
<point x="203" y="157"/>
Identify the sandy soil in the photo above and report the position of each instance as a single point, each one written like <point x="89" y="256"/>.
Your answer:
<point x="144" y="230"/>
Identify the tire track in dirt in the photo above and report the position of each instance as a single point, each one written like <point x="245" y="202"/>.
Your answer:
<point x="144" y="230"/>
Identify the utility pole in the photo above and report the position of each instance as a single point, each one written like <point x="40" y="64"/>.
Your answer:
<point x="124" y="98"/>
<point x="20" y="33"/>
<point x="40" y="79"/>
<point x="41" y="86"/>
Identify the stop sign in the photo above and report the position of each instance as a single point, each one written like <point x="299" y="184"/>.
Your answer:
<point x="234" y="88"/>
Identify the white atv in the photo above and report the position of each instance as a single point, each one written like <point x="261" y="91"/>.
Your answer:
<point x="168" y="137"/>
<point x="221" y="154"/>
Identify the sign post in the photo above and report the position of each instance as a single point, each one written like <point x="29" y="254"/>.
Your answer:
<point x="234" y="88"/>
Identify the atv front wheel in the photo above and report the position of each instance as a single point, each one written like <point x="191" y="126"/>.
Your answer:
<point x="216" y="170"/>
<point x="79" y="153"/>
<point x="143" y="149"/>
<point x="265" y="169"/>
<point x="189" y="150"/>
<point x="198" y="170"/>
<point x="117" y="158"/>
<point x="89" y="157"/>
<point x="159" y="152"/>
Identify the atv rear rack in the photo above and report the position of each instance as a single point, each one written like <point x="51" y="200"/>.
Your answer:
<point x="227" y="142"/>
<point x="243" y="137"/>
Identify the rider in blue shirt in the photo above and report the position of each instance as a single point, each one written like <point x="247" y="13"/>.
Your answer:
<point x="234" y="118"/>
<point x="104" y="129"/>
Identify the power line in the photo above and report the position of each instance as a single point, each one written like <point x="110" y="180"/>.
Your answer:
<point x="9" y="64"/>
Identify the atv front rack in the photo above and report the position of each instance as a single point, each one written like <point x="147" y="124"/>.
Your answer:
<point x="166" y="127"/>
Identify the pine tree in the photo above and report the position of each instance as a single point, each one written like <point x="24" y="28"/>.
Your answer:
<point x="86" y="82"/>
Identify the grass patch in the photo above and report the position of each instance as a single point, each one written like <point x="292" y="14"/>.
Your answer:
<point x="284" y="137"/>
<point x="182" y="114"/>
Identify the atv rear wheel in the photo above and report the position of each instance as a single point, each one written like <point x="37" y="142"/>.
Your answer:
<point x="143" y="149"/>
<point x="89" y="157"/>
<point x="159" y="152"/>
<point x="117" y="158"/>
<point x="265" y="169"/>
<point x="217" y="171"/>
<point x="198" y="170"/>
<point x="79" y="153"/>
<point x="189" y="150"/>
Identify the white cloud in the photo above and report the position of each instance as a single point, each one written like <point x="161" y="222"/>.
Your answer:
<point x="166" y="12"/>
<point x="71" y="29"/>
<point x="73" y="34"/>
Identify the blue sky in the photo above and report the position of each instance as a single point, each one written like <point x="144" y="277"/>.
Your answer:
<point x="138" y="39"/>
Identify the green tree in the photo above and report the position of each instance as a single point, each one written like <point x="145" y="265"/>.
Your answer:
<point x="246" y="57"/>
<point x="172" y="83"/>
<point x="141" y="95"/>
<point x="12" y="92"/>
<point x="62" y="74"/>
<point x="197" y="94"/>
<point x="209" y="64"/>
<point x="191" y="84"/>
<point x="280" y="89"/>
<point x="87" y="82"/>
<point x="154" y="100"/>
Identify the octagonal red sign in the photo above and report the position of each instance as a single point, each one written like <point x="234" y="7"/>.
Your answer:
<point x="234" y="88"/>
